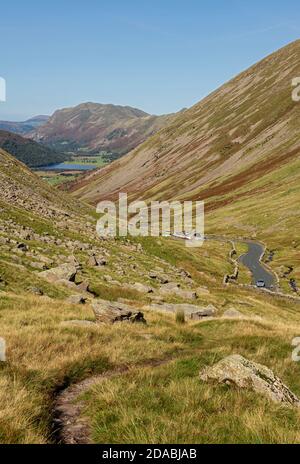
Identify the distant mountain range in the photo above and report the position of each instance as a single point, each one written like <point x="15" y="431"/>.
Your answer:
<point x="94" y="127"/>
<point x="25" y="127"/>
<point x="28" y="151"/>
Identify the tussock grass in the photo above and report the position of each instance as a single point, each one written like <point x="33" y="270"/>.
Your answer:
<point x="43" y="355"/>
<point x="180" y="317"/>
<point x="169" y="404"/>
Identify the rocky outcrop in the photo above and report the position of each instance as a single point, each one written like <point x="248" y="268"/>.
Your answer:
<point x="76" y="299"/>
<point x="194" y="312"/>
<point x="141" y="288"/>
<point x="108" y="312"/>
<point x="63" y="272"/>
<point x="240" y="372"/>
<point x="36" y="291"/>
<point x="209" y="311"/>
<point x="174" y="289"/>
<point x="161" y="278"/>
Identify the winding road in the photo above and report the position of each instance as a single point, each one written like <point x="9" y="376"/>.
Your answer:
<point x="251" y="260"/>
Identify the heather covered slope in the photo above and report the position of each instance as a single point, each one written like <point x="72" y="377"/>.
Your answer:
<point x="93" y="127"/>
<point x="53" y="342"/>
<point x="238" y="149"/>
<point x="247" y="128"/>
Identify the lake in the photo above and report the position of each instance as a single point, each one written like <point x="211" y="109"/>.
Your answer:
<point x="67" y="167"/>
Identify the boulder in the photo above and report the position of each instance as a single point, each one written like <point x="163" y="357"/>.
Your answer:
<point x="101" y="261"/>
<point x="201" y="313"/>
<point x="84" y="286"/>
<point x="193" y="311"/>
<point x="162" y="278"/>
<point x="108" y="312"/>
<point x="73" y="260"/>
<point x="97" y="261"/>
<point x="22" y="247"/>
<point x="139" y="287"/>
<point x="92" y="261"/>
<point x="170" y="286"/>
<point x="65" y="271"/>
<point x="39" y="266"/>
<point x="36" y="291"/>
<point x="173" y="288"/>
<point x="185" y="273"/>
<point x="186" y="294"/>
<point x="76" y="299"/>
<point x="66" y="283"/>
<point x="240" y="372"/>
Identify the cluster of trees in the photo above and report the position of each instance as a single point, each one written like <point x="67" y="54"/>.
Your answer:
<point x="30" y="152"/>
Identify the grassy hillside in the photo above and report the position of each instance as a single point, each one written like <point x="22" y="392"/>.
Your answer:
<point x="238" y="150"/>
<point x="251" y="186"/>
<point x="46" y="353"/>
<point x="94" y="127"/>
<point x="242" y="131"/>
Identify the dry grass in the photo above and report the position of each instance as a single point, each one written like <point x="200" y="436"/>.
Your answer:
<point x="44" y="355"/>
<point x="171" y="405"/>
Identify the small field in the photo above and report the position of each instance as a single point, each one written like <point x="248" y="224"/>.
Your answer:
<point x="93" y="160"/>
<point x="61" y="176"/>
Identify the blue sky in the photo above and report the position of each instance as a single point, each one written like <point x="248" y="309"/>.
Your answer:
<point x="157" y="55"/>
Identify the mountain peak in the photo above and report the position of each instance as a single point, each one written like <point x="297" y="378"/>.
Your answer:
<point x="95" y="127"/>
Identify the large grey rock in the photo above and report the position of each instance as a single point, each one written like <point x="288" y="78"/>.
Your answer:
<point x="139" y="287"/>
<point x="193" y="311"/>
<point x="186" y="294"/>
<point x="65" y="271"/>
<point x="84" y="287"/>
<point x="162" y="278"/>
<point x="108" y="312"/>
<point x="97" y="261"/>
<point x="240" y="372"/>
<point x="76" y="299"/>
<point x="35" y="291"/>
<point x="39" y="266"/>
<point x="173" y="288"/>
<point x="92" y="261"/>
<point x="73" y="260"/>
<point x="209" y="311"/>
<point x="170" y="286"/>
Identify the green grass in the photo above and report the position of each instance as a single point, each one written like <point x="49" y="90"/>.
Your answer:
<point x="169" y="404"/>
<point x="57" y="179"/>
<point x="96" y="161"/>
